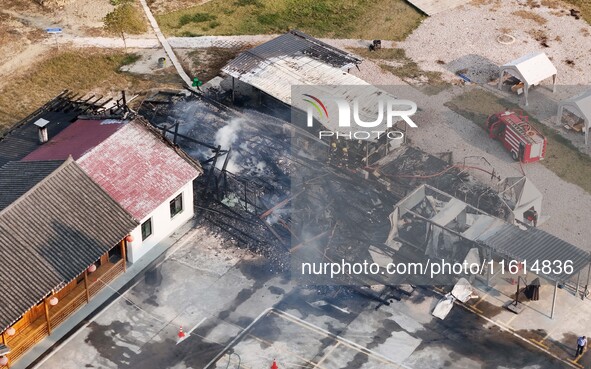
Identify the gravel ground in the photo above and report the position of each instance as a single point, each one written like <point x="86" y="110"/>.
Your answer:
<point x="470" y="32"/>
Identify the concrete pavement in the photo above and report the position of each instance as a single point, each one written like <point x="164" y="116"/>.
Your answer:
<point x="235" y="307"/>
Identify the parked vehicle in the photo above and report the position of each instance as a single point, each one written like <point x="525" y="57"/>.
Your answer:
<point x="518" y="136"/>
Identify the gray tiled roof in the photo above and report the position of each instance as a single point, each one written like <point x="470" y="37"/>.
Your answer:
<point x="16" y="178"/>
<point x="51" y="234"/>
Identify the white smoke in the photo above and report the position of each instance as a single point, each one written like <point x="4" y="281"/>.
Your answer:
<point x="261" y="165"/>
<point x="226" y="137"/>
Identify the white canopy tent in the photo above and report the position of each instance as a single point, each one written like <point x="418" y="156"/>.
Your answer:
<point x="520" y="194"/>
<point x="531" y="70"/>
<point x="582" y="107"/>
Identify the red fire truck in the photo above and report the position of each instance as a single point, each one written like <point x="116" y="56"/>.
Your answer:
<point x="521" y="139"/>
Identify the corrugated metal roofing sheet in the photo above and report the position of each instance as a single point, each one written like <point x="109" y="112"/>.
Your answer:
<point x="277" y="76"/>
<point x="533" y="245"/>
<point x="53" y="233"/>
<point x="291" y="44"/>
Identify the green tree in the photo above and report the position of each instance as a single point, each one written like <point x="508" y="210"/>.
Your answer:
<point x="125" y="18"/>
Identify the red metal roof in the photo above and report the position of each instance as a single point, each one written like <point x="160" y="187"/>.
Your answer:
<point x="137" y="169"/>
<point x="75" y="140"/>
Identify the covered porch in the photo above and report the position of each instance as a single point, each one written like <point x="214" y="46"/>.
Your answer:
<point x="38" y="322"/>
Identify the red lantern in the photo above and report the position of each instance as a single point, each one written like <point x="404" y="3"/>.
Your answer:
<point x="11" y="331"/>
<point x="53" y="301"/>
<point x="129" y="238"/>
<point x="3" y="360"/>
<point x="92" y="268"/>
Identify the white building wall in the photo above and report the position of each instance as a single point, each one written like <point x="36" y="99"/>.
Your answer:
<point x="162" y="224"/>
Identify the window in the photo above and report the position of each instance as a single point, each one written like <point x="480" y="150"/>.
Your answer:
<point x="146" y="229"/>
<point x="176" y="205"/>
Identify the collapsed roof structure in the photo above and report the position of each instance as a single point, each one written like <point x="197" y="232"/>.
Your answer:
<point x="530" y="69"/>
<point x="581" y="105"/>
<point x="61" y="111"/>
<point x="259" y="165"/>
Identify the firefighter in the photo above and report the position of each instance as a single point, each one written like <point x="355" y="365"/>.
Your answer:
<point x="345" y="158"/>
<point x="532" y="216"/>
<point x="332" y="151"/>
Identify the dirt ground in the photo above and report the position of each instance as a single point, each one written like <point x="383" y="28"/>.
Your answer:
<point x="23" y="24"/>
<point x="206" y="63"/>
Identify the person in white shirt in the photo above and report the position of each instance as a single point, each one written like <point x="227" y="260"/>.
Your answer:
<point x="581" y="345"/>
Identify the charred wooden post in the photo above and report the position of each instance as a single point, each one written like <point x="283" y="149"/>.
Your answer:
<point x="211" y="171"/>
<point x="176" y="132"/>
<point x="225" y="172"/>
<point x="233" y="90"/>
<point x="123" y="101"/>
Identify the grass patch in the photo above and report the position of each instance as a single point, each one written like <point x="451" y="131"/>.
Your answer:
<point x="395" y="61"/>
<point x="526" y="14"/>
<point x="365" y="19"/>
<point x="248" y="2"/>
<point x="126" y="59"/>
<point x="92" y="70"/>
<point x="195" y="18"/>
<point x="584" y="6"/>
<point x="381" y="54"/>
<point x="562" y="157"/>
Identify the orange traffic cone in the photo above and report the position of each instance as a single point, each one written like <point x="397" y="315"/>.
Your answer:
<point x="181" y="333"/>
<point x="274" y="365"/>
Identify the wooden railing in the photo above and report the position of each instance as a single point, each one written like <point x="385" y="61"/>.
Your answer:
<point x="38" y="330"/>
<point x="106" y="278"/>
<point x="77" y="301"/>
<point x="21" y="344"/>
